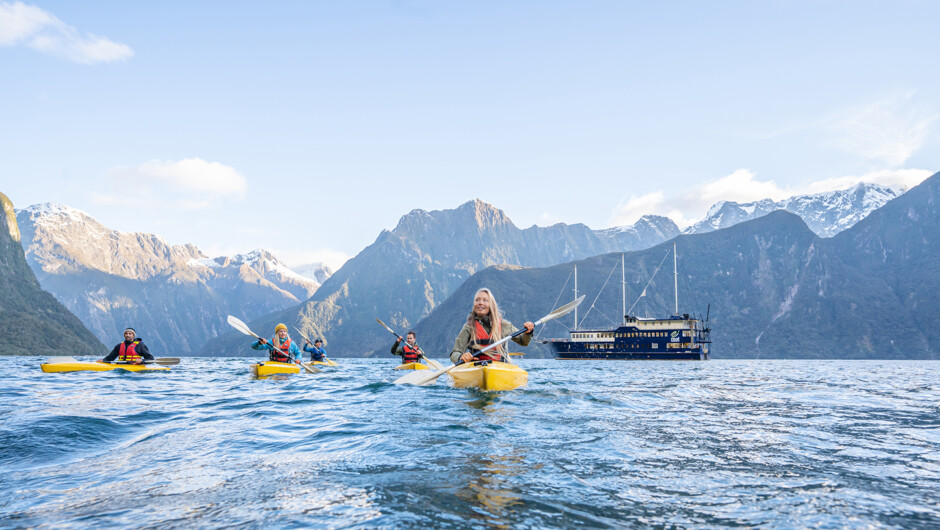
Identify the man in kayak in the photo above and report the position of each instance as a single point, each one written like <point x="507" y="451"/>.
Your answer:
<point x="317" y="353"/>
<point x="485" y="326"/>
<point x="410" y="352"/>
<point x="283" y="350"/>
<point x="132" y="350"/>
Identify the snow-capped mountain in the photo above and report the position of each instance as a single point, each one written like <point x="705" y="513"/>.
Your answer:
<point x="826" y="214"/>
<point x="317" y="271"/>
<point x="407" y="271"/>
<point x="174" y="295"/>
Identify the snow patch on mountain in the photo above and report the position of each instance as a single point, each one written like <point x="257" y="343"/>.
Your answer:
<point x="826" y="213"/>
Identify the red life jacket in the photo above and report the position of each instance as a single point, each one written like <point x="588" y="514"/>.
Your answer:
<point x="128" y="353"/>
<point x="411" y="354"/>
<point x="282" y="354"/>
<point x="483" y="339"/>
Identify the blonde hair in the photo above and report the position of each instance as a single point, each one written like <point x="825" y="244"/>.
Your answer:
<point x="496" y="320"/>
<point x="276" y="341"/>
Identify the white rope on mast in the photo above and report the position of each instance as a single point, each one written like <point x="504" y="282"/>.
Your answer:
<point x="555" y="305"/>
<point x="643" y="293"/>
<point x="598" y="296"/>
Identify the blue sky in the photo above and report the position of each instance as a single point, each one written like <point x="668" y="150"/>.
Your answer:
<point x="306" y="128"/>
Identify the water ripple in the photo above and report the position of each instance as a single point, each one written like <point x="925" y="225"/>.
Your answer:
<point x="586" y="444"/>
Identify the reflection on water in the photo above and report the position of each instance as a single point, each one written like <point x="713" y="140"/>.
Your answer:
<point x="482" y="400"/>
<point x="490" y="487"/>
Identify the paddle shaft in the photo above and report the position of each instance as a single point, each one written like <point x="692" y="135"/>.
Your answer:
<point x="308" y="340"/>
<point x="435" y="364"/>
<point x="439" y="373"/>
<point x="561" y="311"/>
<point x="241" y="326"/>
<point x="162" y="361"/>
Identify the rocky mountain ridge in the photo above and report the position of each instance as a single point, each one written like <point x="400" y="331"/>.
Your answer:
<point x="32" y="321"/>
<point x="775" y="289"/>
<point x="409" y="270"/>
<point x="174" y="295"/>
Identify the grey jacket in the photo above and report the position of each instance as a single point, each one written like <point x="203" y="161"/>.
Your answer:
<point x="466" y="338"/>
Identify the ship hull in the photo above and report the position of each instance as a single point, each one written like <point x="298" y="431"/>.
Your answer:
<point x="669" y="339"/>
<point x="631" y="356"/>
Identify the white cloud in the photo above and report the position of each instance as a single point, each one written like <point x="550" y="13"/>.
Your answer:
<point x="184" y="176"/>
<point x="21" y="24"/>
<point x="740" y="186"/>
<point x="890" y="130"/>
<point x="631" y="208"/>
<point x="895" y="178"/>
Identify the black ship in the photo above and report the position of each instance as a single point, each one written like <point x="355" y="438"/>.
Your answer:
<point x="674" y="338"/>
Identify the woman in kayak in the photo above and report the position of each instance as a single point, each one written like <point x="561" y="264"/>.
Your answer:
<point x="485" y="326"/>
<point x="132" y="350"/>
<point x="283" y="350"/>
<point x="317" y="353"/>
<point x="410" y="352"/>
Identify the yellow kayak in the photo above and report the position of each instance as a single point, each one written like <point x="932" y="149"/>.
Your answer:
<point x="273" y="367"/>
<point x="411" y="366"/>
<point x="328" y="362"/>
<point x="95" y="366"/>
<point x="490" y="376"/>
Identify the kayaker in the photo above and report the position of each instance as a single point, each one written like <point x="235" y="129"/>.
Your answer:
<point x="317" y="353"/>
<point x="410" y="352"/>
<point x="484" y="327"/>
<point x="132" y="350"/>
<point x="282" y="349"/>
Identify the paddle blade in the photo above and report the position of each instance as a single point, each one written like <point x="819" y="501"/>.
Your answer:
<point x="419" y="378"/>
<point x="561" y="311"/>
<point x="240" y="326"/>
<point x="432" y="363"/>
<point x="390" y="330"/>
<point x="311" y="369"/>
<point x="52" y="360"/>
<point x="413" y="378"/>
<point x="167" y="361"/>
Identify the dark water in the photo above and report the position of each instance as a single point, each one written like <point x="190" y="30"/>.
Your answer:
<point x="586" y="445"/>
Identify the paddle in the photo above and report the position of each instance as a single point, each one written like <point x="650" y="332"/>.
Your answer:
<point x="420" y="379"/>
<point x="326" y="361"/>
<point x="241" y="326"/>
<point x="163" y="361"/>
<point x="434" y="364"/>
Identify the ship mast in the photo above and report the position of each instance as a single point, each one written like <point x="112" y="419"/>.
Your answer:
<point x="675" y="270"/>
<point x="575" y="296"/>
<point x="623" y="288"/>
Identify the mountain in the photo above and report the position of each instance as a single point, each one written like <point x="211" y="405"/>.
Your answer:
<point x="32" y="321"/>
<point x="826" y="214"/>
<point x="899" y="246"/>
<point x="174" y="295"/>
<point x="775" y="289"/>
<point x="317" y="271"/>
<point x="408" y="271"/>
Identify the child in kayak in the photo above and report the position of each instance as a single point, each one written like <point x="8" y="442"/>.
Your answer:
<point x="317" y="353"/>
<point x="486" y="326"/>
<point x="283" y="350"/>
<point x="132" y="350"/>
<point x="410" y="352"/>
